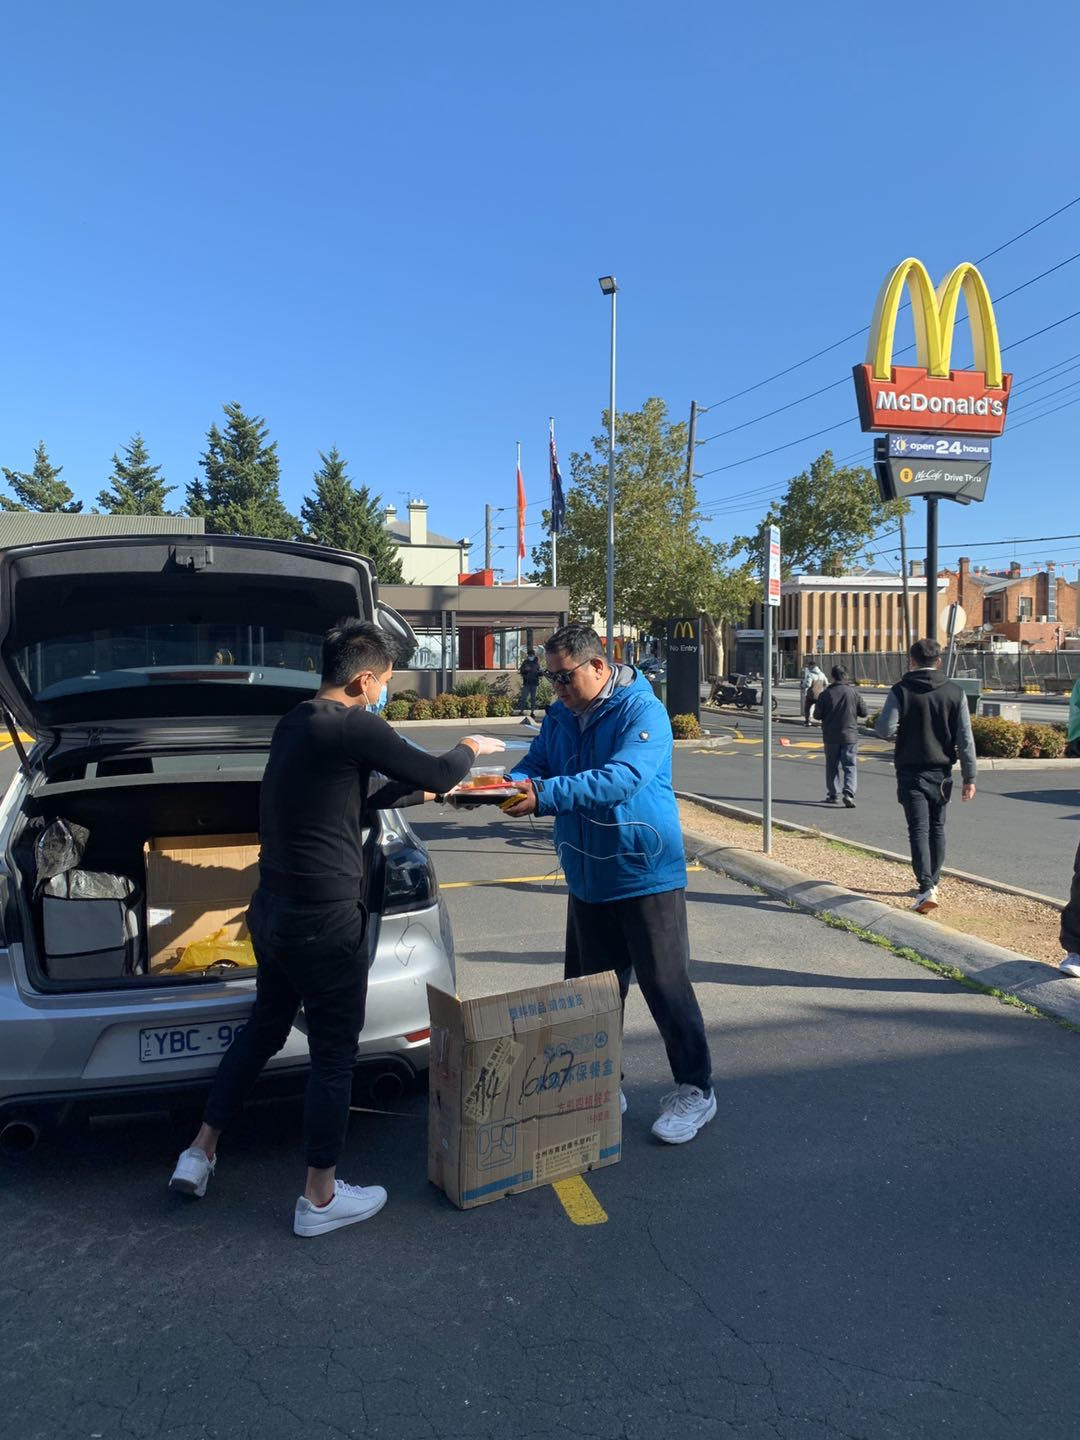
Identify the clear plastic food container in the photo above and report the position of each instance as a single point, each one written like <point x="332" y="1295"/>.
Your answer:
<point x="484" y="777"/>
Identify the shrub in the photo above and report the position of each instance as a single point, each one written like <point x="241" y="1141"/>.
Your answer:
<point x="545" y="693"/>
<point x="396" y="709"/>
<point x="420" y="710"/>
<point x="685" y="727"/>
<point x="1042" y="742"/>
<point x="446" y="707"/>
<point x="474" y="707"/>
<point x="406" y="694"/>
<point x="500" y="706"/>
<point x="997" y="738"/>
<point x="472" y="687"/>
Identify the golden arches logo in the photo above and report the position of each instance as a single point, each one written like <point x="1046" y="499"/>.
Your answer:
<point x="934" y="313"/>
<point x="683" y="630"/>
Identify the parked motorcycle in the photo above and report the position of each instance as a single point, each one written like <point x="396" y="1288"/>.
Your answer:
<point x="740" y="692"/>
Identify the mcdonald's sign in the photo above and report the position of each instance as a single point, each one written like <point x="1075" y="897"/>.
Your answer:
<point x="682" y="630"/>
<point x="930" y="396"/>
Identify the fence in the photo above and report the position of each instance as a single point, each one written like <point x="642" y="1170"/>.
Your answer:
<point x="1052" y="670"/>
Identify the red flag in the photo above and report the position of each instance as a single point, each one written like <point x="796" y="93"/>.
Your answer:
<point x="520" y="514"/>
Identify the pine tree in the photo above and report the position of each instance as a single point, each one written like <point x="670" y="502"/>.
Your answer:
<point x="136" y="486"/>
<point x="338" y="513"/>
<point x="241" y="494"/>
<point x="42" y="489"/>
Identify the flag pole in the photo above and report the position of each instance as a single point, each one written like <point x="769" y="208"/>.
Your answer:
<point x="554" y="538"/>
<point x="517" y="501"/>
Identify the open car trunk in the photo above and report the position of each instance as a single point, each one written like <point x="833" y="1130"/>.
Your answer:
<point x="188" y="847"/>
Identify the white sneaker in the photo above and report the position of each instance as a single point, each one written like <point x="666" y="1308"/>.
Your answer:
<point x="622" y="1102"/>
<point x="685" y="1111"/>
<point x="926" y="900"/>
<point x="1071" y="966"/>
<point x="350" y="1204"/>
<point x="193" y="1171"/>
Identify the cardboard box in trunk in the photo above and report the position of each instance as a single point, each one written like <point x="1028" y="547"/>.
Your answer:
<point x="195" y="886"/>
<point x="523" y="1088"/>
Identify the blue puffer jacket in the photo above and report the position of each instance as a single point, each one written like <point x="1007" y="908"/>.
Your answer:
<point x="617" y="830"/>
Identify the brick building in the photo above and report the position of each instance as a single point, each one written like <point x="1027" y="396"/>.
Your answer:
<point x="1039" y="611"/>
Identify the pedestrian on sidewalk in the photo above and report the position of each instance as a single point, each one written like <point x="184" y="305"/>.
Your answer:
<point x="839" y="707"/>
<point x="1072" y="745"/>
<point x="601" y="765"/>
<point x="1070" y="920"/>
<point x="811" y="686"/>
<point x="530" y="672"/>
<point x="307" y="921"/>
<point x="928" y="717"/>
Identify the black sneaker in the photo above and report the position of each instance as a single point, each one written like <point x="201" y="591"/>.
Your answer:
<point x="831" y="800"/>
<point x="849" y="801"/>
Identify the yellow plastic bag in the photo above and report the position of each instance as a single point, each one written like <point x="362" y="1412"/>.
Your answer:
<point x="201" y="954"/>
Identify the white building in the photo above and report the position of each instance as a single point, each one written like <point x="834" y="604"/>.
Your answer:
<point x="426" y="558"/>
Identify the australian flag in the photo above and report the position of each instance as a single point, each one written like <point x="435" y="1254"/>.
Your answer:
<point x="558" y="500"/>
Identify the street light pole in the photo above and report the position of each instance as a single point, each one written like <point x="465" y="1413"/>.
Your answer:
<point x="609" y="287"/>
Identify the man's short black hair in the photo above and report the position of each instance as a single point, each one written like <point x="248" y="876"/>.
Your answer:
<point x="351" y="646"/>
<point x="839" y="674"/>
<point x="577" y="642"/>
<point x="925" y="652"/>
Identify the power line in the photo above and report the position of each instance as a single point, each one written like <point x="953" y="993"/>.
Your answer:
<point x="734" y="464"/>
<point x="997" y="299"/>
<point x="862" y="331"/>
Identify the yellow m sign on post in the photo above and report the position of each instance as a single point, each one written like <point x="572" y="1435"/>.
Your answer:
<point x="931" y="395"/>
<point x="934" y="313"/>
<point x="683" y="630"/>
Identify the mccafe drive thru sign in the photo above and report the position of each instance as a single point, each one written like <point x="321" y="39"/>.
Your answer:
<point x="930" y="396"/>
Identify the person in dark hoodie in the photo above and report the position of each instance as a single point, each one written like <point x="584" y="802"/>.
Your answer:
<point x="928" y="717"/>
<point x="601" y="766"/>
<point x="839" y="708"/>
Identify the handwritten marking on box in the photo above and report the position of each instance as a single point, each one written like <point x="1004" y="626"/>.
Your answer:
<point x="491" y="1079"/>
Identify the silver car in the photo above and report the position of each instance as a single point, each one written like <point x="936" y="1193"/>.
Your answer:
<point x="151" y="672"/>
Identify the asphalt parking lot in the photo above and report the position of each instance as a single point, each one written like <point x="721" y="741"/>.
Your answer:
<point x="866" y="1241"/>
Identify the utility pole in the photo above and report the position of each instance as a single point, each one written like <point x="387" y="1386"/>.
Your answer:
<point x="487" y="536"/>
<point x="904" y="582"/>
<point x="690" y="443"/>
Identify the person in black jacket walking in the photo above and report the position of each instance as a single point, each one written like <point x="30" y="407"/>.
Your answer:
<point x="928" y="717"/>
<point x="839" y="708"/>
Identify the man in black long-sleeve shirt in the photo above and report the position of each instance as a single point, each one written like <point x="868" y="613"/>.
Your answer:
<point x="306" y="918"/>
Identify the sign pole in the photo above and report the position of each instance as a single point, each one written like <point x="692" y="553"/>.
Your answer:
<point x="770" y="600"/>
<point x="766" y="729"/>
<point x="931" y="567"/>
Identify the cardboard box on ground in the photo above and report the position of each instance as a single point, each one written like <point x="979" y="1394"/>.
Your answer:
<point x="523" y="1088"/>
<point x="198" y="888"/>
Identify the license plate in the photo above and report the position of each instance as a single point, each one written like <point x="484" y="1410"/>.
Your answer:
<point x="183" y="1042"/>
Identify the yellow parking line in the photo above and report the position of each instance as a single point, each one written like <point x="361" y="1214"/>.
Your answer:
<point x="580" y="1204"/>
<point x="522" y="880"/>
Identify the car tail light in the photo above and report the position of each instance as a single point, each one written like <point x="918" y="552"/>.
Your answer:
<point x="417" y="1035"/>
<point x="410" y="882"/>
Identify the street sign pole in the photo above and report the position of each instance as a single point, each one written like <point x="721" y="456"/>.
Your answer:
<point x="770" y="600"/>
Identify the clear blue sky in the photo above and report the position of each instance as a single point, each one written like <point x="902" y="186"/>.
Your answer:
<point x="381" y="227"/>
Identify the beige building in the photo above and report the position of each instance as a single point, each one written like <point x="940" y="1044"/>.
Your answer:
<point x="827" y="614"/>
<point x="426" y="558"/>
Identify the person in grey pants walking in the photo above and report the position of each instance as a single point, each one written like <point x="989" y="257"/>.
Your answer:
<point x="839" y="707"/>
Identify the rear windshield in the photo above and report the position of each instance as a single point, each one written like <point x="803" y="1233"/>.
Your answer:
<point x="152" y="656"/>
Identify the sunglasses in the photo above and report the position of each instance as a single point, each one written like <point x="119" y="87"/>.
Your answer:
<point x="562" y="677"/>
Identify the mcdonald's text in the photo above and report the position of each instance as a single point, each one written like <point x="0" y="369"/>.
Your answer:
<point x="913" y="399"/>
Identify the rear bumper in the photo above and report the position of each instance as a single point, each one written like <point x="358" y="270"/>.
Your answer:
<point x="45" y="1108"/>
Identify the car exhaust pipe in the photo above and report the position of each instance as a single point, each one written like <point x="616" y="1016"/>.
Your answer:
<point x="386" y="1087"/>
<point x="18" y="1137"/>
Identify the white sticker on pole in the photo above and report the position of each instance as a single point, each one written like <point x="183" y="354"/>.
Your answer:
<point x="772" y="578"/>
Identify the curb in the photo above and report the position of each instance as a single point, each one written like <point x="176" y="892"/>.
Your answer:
<point x="736" y="812"/>
<point x="989" y="965"/>
<point x="514" y="721"/>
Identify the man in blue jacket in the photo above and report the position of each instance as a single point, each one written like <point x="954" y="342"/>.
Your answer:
<point x="601" y="766"/>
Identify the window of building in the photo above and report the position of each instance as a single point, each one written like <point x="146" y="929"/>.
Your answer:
<point x="1025" y="604"/>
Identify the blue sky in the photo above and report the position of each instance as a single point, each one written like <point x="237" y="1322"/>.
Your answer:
<point x="381" y="227"/>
